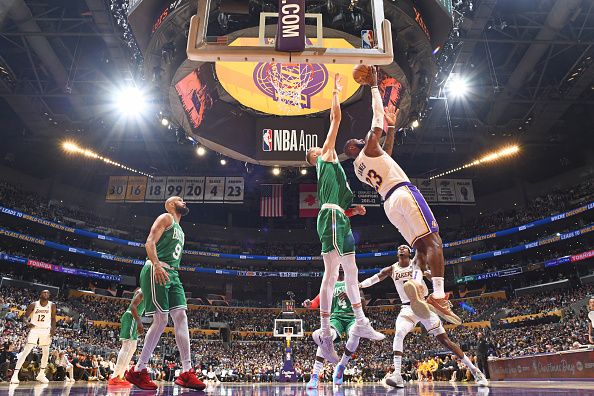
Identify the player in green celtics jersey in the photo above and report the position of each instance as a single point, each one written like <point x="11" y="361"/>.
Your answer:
<point x="130" y="328"/>
<point x="342" y="320"/>
<point x="334" y="230"/>
<point x="164" y="295"/>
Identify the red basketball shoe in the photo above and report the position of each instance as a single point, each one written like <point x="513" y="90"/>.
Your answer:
<point x="141" y="379"/>
<point x="189" y="380"/>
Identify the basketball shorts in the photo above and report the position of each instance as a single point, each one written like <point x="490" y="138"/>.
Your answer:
<point x="128" y="330"/>
<point x="334" y="230"/>
<point x="342" y="324"/>
<point x="162" y="298"/>
<point x="408" y="211"/>
<point x="41" y="336"/>
<point x="407" y="320"/>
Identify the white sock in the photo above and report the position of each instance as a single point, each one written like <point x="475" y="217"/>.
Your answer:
<point x="359" y="315"/>
<point x="345" y="359"/>
<point x="438" y="287"/>
<point x="325" y="324"/>
<point x="469" y="364"/>
<point x="397" y="364"/>
<point x="318" y="366"/>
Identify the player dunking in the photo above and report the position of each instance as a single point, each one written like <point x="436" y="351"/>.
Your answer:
<point x="334" y="230"/>
<point x="164" y="295"/>
<point x="404" y="205"/>
<point x="130" y="328"/>
<point x="342" y="320"/>
<point x="41" y="317"/>
<point x="406" y="273"/>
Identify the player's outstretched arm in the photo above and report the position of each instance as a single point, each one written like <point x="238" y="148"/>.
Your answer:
<point x="54" y="317"/>
<point x="357" y="210"/>
<point x="372" y="146"/>
<point x="159" y="226"/>
<point x="383" y="274"/>
<point x="27" y="315"/>
<point x="391" y="117"/>
<point x="312" y="304"/>
<point x="136" y="300"/>
<point x="329" y="147"/>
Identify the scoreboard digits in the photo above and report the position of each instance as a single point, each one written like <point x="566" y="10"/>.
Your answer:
<point x="201" y="189"/>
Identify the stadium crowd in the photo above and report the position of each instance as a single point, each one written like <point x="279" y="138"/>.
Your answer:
<point x="91" y="349"/>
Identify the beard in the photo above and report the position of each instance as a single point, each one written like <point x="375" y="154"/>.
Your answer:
<point x="181" y="210"/>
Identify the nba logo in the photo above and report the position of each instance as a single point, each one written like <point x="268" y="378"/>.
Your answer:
<point x="367" y="39"/>
<point x="267" y="140"/>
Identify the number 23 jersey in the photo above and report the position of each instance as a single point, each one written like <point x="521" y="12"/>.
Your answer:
<point x="382" y="173"/>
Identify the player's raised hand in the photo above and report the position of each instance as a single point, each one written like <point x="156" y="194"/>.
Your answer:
<point x="391" y="116"/>
<point x="306" y="303"/>
<point x="373" y="78"/>
<point x="360" y="210"/>
<point x="338" y="82"/>
<point x="160" y="274"/>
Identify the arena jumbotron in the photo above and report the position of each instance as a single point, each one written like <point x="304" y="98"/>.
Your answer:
<point x="208" y="196"/>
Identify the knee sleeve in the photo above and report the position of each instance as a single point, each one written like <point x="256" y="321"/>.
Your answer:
<point x="160" y="320"/>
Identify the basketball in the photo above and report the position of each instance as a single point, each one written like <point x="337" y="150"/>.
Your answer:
<point x="362" y="74"/>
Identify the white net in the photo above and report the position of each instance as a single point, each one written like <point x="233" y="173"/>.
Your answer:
<point x="289" y="80"/>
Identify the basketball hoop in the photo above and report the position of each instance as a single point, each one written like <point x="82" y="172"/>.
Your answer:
<point x="289" y="80"/>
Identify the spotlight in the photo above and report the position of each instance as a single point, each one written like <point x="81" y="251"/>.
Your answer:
<point x="164" y="121"/>
<point x="130" y="101"/>
<point x="200" y="151"/>
<point x="223" y="161"/>
<point x="276" y="171"/>
<point x="304" y="171"/>
<point x="70" y="147"/>
<point x="457" y="86"/>
<point x="415" y="124"/>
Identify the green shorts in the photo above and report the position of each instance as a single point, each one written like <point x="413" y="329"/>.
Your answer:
<point x="162" y="298"/>
<point x="128" y="329"/>
<point x="342" y="325"/>
<point x="334" y="229"/>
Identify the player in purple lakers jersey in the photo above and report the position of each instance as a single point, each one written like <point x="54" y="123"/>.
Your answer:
<point x="403" y="203"/>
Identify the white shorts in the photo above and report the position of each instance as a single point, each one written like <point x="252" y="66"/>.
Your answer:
<point x="408" y="211"/>
<point x="407" y="320"/>
<point x="41" y="336"/>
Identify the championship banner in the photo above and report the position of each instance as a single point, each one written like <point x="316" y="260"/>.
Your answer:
<point x="194" y="189"/>
<point x="446" y="191"/>
<point x="309" y="206"/>
<point x="366" y="197"/>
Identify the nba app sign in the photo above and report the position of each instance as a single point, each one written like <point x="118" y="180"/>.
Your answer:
<point x="288" y="140"/>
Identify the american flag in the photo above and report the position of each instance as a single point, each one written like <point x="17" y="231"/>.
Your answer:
<point x="271" y="202"/>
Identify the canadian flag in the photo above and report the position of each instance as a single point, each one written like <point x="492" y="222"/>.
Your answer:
<point x="309" y="206"/>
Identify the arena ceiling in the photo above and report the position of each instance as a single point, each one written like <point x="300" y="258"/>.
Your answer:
<point x="528" y="65"/>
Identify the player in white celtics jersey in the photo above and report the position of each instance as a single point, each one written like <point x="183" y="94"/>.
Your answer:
<point x="403" y="203"/>
<point x="41" y="319"/>
<point x="411" y="288"/>
<point x="590" y="320"/>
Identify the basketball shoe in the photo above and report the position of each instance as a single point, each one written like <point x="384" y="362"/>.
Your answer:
<point x="480" y="378"/>
<point x="443" y="307"/>
<point x="326" y="346"/>
<point x="338" y="374"/>
<point x="417" y="302"/>
<point x="41" y="377"/>
<point x="313" y="382"/>
<point x="364" y="330"/>
<point x="395" y="380"/>
<point x="141" y="379"/>
<point x="189" y="380"/>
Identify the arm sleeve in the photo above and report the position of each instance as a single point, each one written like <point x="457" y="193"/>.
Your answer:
<point x="378" y="109"/>
<point x="315" y="303"/>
